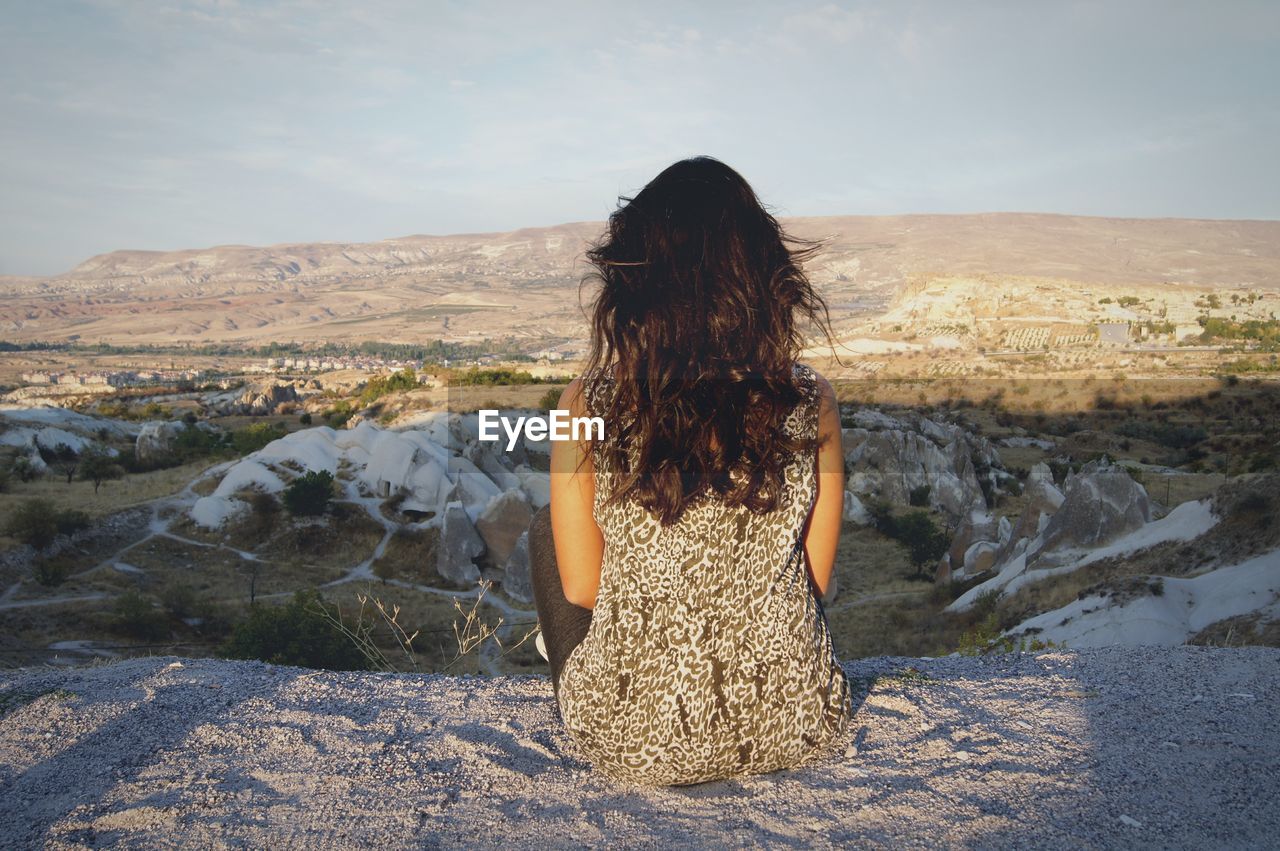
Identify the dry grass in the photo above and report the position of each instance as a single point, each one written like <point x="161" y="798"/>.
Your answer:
<point x="868" y="562"/>
<point x="433" y="616"/>
<point x="411" y="556"/>
<point x="133" y="489"/>
<point x="1242" y="631"/>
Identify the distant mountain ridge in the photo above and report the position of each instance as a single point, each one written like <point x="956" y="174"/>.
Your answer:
<point x="415" y="286"/>
<point x="1018" y="243"/>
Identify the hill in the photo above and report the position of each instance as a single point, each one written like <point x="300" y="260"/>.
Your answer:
<point x="419" y="288"/>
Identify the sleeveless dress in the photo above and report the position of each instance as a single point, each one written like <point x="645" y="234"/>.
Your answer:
<point x="708" y="655"/>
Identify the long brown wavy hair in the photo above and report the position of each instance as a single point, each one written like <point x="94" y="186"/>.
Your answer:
<point x="695" y="319"/>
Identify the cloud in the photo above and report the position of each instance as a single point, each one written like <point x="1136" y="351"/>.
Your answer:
<point x="826" y="23"/>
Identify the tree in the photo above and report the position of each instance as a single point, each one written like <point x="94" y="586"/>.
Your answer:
<point x="882" y="519"/>
<point x="63" y="459"/>
<point x="309" y="494"/>
<point x="97" y="466"/>
<point x="924" y="541"/>
<point x="24" y="469"/>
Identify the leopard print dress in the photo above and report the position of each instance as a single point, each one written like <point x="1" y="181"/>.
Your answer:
<point x="708" y="655"/>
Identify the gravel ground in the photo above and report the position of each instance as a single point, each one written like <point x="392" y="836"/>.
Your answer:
<point x="1113" y="748"/>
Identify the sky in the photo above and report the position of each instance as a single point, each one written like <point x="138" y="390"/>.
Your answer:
<point x="164" y="125"/>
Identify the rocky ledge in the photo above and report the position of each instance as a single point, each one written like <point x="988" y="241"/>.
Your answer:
<point x="1111" y="748"/>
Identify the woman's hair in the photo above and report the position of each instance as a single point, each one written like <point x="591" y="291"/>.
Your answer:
<point x="696" y="321"/>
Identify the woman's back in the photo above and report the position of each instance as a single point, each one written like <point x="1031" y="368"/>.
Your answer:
<point x="708" y="654"/>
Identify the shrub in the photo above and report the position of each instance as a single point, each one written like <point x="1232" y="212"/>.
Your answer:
<point x="475" y="377"/>
<point x="137" y="616"/>
<point x="24" y="469"/>
<point x="384" y="569"/>
<point x="337" y="416"/>
<point x="882" y="519"/>
<point x="256" y="436"/>
<point x="70" y="520"/>
<point x="986" y="637"/>
<point x="985" y="603"/>
<point x="549" y="400"/>
<point x="33" y="523"/>
<point x="297" y="633"/>
<point x="263" y="505"/>
<point x="179" y="599"/>
<point x="381" y="385"/>
<point x="919" y="496"/>
<point x="305" y="419"/>
<point x="49" y="572"/>
<point x="309" y="494"/>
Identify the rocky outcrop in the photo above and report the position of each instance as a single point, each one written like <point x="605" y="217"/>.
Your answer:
<point x="265" y="398"/>
<point x="890" y="457"/>
<point x="458" y="548"/>
<point x="154" y="445"/>
<point x="502" y="522"/>
<point x="1098" y="504"/>
<point x="516" y="580"/>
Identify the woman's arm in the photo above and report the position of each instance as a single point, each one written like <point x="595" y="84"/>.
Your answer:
<point x="579" y="543"/>
<point x="823" y="532"/>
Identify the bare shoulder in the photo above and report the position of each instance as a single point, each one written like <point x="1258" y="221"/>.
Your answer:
<point x="828" y="413"/>
<point x="573" y="397"/>
<point x="826" y="393"/>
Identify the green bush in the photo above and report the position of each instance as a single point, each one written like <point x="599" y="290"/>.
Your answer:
<point x="305" y="419"/>
<point x="49" y="571"/>
<point x="919" y="496"/>
<point x="33" y="523"/>
<point x="256" y="436"/>
<point x="297" y="633"/>
<point x="475" y="377"/>
<point x="381" y="385"/>
<point x="137" y="616"/>
<point x="337" y="416"/>
<point x="985" y="603"/>
<point x="550" y="400"/>
<point x="179" y="599"/>
<point x="70" y="520"/>
<point x="882" y="519"/>
<point x="24" y="469"/>
<point x="309" y="494"/>
<point x="156" y="411"/>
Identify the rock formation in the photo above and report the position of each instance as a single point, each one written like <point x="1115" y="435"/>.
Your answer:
<point x="889" y="457"/>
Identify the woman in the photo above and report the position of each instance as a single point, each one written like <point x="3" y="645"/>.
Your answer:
<point x="678" y="580"/>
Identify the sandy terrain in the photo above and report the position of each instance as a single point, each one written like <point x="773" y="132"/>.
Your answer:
<point x="1114" y="748"/>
